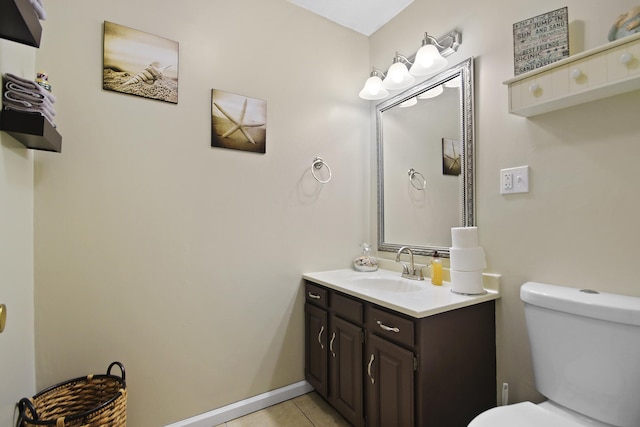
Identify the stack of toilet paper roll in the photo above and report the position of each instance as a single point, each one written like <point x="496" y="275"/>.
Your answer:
<point x="467" y="261"/>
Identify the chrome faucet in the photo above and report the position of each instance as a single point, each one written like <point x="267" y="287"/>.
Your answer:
<point x="409" y="271"/>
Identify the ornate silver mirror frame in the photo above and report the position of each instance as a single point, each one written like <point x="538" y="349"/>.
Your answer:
<point x="464" y="71"/>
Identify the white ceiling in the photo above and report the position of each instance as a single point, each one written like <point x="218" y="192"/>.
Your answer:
<point x="363" y="16"/>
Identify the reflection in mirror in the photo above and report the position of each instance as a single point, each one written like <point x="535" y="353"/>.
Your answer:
<point x="425" y="162"/>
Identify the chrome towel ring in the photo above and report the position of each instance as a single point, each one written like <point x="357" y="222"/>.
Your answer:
<point x="317" y="164"/>
<point x="421" y="184"/>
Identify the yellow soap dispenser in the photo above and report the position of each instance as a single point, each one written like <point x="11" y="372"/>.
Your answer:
<point x="436" y="269"/>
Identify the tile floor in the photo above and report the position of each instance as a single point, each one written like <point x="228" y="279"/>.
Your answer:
<point x="308" y="410"/>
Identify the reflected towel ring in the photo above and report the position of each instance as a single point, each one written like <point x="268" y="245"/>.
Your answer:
<point x="422" y="183"/>
<point x="317" y="164"/>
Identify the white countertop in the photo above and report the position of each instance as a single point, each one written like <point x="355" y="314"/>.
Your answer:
<point x="416" y="298"/>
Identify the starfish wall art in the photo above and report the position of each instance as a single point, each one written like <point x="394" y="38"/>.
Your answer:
<point x="238" y="122"/>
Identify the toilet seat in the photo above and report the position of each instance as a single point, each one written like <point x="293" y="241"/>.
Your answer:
<point x="525" y="414"/>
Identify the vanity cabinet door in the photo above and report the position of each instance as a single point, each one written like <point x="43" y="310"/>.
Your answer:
<point x="345" y="368"/>
<point x="316" y="346"/>
<point x="389" y="384"/>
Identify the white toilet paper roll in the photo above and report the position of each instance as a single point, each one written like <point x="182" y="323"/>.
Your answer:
<point x="467" y="282"/>
<point x="467" y="259"/>
<point x="464" y="237"/>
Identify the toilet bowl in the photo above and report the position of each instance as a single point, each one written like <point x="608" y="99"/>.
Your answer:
<point x="585" y="347"/>
<point x="527" y="414"/>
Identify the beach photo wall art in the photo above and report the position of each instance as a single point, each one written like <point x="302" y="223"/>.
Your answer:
<point x="139" y="63"/>
<point x="238" y="122"/>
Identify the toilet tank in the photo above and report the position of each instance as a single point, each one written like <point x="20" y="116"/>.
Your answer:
<point x="585" y="347"/>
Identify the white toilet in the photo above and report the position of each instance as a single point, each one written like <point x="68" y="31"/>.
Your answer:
<point x="585" y="348"/>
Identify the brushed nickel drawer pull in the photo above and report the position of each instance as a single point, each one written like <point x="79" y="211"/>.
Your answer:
<point x="387" y="328"/>
<point x="320" y="337"/>
<point x="373" y="381"/>
<point x="313" y="296"/>
<point x="333" y="337"/>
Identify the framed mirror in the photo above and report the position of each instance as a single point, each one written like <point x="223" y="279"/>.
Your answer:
<point x="425" y="141"/>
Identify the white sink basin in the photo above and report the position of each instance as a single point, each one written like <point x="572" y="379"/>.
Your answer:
<point x="387" y="284"/>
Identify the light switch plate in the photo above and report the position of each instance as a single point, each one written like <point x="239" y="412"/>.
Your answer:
<point x="514" y="180"/>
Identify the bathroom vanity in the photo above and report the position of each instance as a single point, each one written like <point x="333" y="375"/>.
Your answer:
<point x="387" y="351"/>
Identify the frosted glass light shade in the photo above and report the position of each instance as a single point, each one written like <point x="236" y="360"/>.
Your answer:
<point x="431" y="93"/>
<point x="428" y="61"/>
<point x="373" y="89"/>
<point x="398" y="77"/>
<point x="453" y="83"/>
<point x="409" y="103"/>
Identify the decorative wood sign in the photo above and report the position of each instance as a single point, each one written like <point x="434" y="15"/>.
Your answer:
<point x="541" y="40"/>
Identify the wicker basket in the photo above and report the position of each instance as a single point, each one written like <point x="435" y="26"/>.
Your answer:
<point x="91" y="401"/>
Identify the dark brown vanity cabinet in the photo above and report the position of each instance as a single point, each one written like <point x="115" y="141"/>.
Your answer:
<point x="316" y="329"/>
<point x="391" y="364"/>
<point x="381" y="368"/>
<point x="333" y="353"/>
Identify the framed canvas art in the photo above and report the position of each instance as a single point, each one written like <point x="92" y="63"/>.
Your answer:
<point x="451" y="161"/>
<point x="140" y="64"/>
<point x="238" y="122"/>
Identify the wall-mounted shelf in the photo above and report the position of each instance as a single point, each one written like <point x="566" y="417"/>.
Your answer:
<point x="31" y="129"/>
<point x="19" y="22"/>
<point x="598" y="73"/>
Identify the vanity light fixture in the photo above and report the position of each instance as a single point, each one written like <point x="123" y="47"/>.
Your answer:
<point x="398" y="76"/>
<point x="373" y="88"/>
<point x="429" y="59"/>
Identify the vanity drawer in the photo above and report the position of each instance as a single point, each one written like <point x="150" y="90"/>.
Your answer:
<point x="347" y="308"/>
<point x="316" y="295"/>
<point x="390" y="326"/>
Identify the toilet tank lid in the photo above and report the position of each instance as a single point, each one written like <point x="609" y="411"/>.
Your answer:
<point x="598" y="305"/>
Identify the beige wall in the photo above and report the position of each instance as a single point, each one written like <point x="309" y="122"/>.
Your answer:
<point x="578" y="224"/>
<point x="16" y="250"/>
<point x="183" y="261"/>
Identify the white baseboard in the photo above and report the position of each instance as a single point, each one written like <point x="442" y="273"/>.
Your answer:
<point x="246" y="406"/>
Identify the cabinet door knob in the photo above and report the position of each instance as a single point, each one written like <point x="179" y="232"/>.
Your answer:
<point x="576" y="73"/>
<point x="387" y="328"/>
<point x="373" y="381"/>
<point x="333" y="337"/>
<point x="320" y="337"/>
<point x="626" y="58"/>
<point x="313" y="296"/>
<point x="534" y="87"/>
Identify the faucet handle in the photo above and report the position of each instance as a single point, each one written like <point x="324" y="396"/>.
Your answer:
<point x="405" y="268"/>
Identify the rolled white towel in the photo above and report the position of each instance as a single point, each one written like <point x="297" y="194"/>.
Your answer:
<point x="38" y="6"/>
<point x="25" y="84"/>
